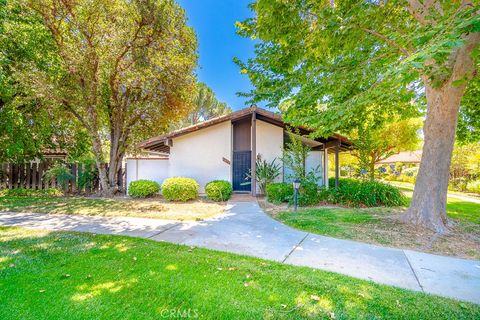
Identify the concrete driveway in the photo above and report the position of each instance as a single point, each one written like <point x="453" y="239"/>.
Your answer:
<point x="246" y="229"/>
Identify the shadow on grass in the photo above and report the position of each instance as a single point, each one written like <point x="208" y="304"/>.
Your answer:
<point x="72" y="275"/>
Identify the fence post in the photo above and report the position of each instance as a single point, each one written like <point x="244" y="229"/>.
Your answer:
<point x="21" y="180"/>
<point x="34" y="175"/>
<point x="28" y="174"/>
<point x="74" y="179"/>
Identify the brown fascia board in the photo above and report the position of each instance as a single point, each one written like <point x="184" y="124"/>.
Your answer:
<point x="275" y="118"/>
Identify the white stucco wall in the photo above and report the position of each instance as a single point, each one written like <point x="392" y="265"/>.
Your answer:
<point x="149" y="169"/>
<point x="314" y="162"/>
<point x="199" y="154"/>
<point x="269" y="145"/>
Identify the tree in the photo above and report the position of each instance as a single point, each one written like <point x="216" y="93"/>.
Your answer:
<point x="375" y="144"/>
<point x="468" y="130"/>
<point x="295" y="156"/>
<point x="465" y="165"/>
<point x="123" y="69"/>
<point x="341" y="59"/>
<point x="26" y="127"/>
<point x="205" y="106"/>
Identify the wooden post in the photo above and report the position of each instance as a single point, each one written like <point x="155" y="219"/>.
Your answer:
<point x="81" y="170"/>
<point x="3" y="182"/>
<point x="40" y="175"/>
<point x="34" y="175"/>
<point x="45" y="181"/>
<point x="28" y="168"/>
<point x="15" y="176"/>
<point x="74" y="179"/>
<point x="254" y="153"/>
<point x="337" y="167"/>
<point x="325" y="167"/>
<point x="21" y="175"/>
<point x="10" y="176"/>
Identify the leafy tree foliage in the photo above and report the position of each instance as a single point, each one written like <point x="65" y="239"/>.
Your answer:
<point x="27" y="127"/>
<point x="376" y="144"/>
<point x="338" y="62"/>
<point x="123" y="69"/>
<point x="468" y="130"/>
<point x="205" y="106"/>
<point x="465" y="165"/>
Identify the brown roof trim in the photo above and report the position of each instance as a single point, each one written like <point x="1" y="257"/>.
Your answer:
<point x="148" y="158"/>
<point x="274" y="118"/>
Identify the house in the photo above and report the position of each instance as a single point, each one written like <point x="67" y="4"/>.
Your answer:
<point x="222" y="148"/>
<point x="412" y="157"/>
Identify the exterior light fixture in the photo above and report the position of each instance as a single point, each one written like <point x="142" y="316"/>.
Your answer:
<point x="296" y="186"/>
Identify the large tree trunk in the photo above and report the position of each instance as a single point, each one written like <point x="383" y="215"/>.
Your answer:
<point x="102" y="171"/>
<point x="428" y="207"/>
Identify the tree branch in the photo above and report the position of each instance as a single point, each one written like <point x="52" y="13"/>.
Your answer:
<point x="389" y="41"/>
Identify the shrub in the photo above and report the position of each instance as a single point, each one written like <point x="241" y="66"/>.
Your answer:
<point x="363" y="193"/>
<point x="265" y="173"/>
<point x="143" y="188"/>
<point x="279" y="192"/>
<point x="474" y="186"/>
<point x="22" y="192"/>
<point x="60" y="173"/>
<point x="218" y="190"/>
<point x="307" y="195"/>
<point x="180" y="189"/>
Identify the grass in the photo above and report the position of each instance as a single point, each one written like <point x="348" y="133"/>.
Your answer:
<point x="462" y="210"/>
<point x="407" y="186"/>
<point x="145" y="208"/>
<point x="382" y="226"/>
<point x="82" y="276"/>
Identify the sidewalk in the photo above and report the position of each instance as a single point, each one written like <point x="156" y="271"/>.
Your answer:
<point x="246" y="229"/>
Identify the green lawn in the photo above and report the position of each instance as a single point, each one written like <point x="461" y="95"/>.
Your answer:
<point x="146" y="208"/>
<point x="82" y="276"/>
<point x="382" y="226"/>
<point x="407" y="186"/>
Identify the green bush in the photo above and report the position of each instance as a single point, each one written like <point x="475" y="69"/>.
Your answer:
<point x="307" y="195"/>
<point x="357" y="193"/>
<point x="60" y="173"/>
<point x="143" y="188"/>
<point x="474" y="186"/>
<point x="22" y="192"/>
<point x="218" y="190"/>
<point x="279" y="192"/>
<point x="180" y="189"/>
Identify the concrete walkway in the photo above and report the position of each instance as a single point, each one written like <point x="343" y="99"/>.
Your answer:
<point x="246" y="229"/>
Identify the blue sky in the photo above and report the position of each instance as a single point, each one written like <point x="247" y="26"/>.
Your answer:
<point x="214" y="24"/>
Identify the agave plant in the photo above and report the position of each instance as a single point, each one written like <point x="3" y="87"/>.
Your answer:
<point x="265" y="173"/>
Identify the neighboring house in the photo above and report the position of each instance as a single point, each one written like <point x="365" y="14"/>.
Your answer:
<point x="413" y="157"/>
<point x="222" y="148"/>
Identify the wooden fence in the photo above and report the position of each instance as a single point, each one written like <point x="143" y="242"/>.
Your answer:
<point x="31" y="175"/>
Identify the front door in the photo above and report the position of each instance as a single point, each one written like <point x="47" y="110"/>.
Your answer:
<point x="242" y="162"/>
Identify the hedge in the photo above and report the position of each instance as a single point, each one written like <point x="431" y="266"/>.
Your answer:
<point x="218" y="190"/>
<point x="180" y="189"/>
<point x="366" y="193"/>
<point x="279" y="192"/>
<point x="143" y="188"/>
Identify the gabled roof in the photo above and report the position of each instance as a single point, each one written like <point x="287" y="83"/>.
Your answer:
<point x="161" y="143"/>
<point x="404" y="156"/>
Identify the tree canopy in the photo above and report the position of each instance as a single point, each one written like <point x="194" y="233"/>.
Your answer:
<point x="27" y="127"/>
<point x="373" y="145"/>
<point x="124" y="70"/>
<point x="205" y="106"/>
<point x="337" y="62"/>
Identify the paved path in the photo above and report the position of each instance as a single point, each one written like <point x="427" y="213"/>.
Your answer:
<point x="245" y="229"/>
